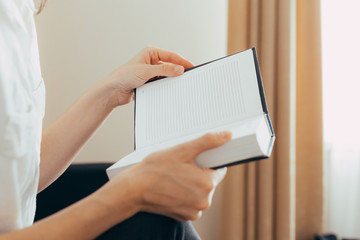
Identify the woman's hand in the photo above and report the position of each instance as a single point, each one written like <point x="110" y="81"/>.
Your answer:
<point x="64" y="137"/>
<point x="169" y="182"/>
<point x="149" y="63"/>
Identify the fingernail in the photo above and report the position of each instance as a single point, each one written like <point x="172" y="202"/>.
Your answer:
<point x="179" y="69"/>
<point x="225" y="134"/>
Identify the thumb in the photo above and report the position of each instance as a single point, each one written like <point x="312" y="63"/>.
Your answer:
<point x="206" y="142"/>
<point x="164" y="69"/>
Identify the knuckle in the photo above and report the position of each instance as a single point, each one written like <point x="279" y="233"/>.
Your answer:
<point x="208" y="186"/>
<point x="195" y="216"/>
<point x="203" y="205"/>
<point x="148" y="49"/>
<point x="153" y="54"/>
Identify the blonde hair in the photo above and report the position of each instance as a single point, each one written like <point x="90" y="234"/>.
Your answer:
<point x="42" y="5"/>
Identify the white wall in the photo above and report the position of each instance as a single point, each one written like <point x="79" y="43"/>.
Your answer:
<point x="81" y="41"/>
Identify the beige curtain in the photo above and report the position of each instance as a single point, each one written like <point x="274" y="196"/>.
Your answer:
<point x="280" y="198"/>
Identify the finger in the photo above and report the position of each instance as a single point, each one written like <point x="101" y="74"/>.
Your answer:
<point x="158" y="54"/>
<point x="218" y="175"/>
<point x="164" y="69"/>
<point x="167" y="56"/>
<point x="206" y="142"/>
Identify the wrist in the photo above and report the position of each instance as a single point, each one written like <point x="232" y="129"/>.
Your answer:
<point x="117" y="93"/>
<point x="107" y="94"/>
<point x="121" y="197"/>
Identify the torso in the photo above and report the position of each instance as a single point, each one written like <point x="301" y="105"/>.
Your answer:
<point x="22" y="103"/>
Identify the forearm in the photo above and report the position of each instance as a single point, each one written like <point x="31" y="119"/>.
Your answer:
<point x="86" y="219"/>
<point x="65" y="136"/>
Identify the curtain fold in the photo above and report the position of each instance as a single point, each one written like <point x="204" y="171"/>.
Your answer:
<point x="309" y="129"/>
<point x="281" y="197"/>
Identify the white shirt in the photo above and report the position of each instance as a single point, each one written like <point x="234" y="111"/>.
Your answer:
<point x="22" y="102"/>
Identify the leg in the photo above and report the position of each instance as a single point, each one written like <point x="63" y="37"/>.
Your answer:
<point x="146" y="226"/>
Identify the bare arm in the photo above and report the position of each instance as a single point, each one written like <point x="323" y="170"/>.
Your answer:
<point x="84" y="220"/>
<point x="176" y="187"/>
<point x="64" y="137"/>
<point x="167" y="182"/>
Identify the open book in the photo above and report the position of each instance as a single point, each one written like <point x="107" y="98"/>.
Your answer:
<point x="224" y="94"/>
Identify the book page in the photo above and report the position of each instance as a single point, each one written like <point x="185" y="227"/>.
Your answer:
<point x="218" y="93"/>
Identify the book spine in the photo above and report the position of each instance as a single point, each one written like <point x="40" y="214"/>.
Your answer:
<point x="260" y="83"/>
